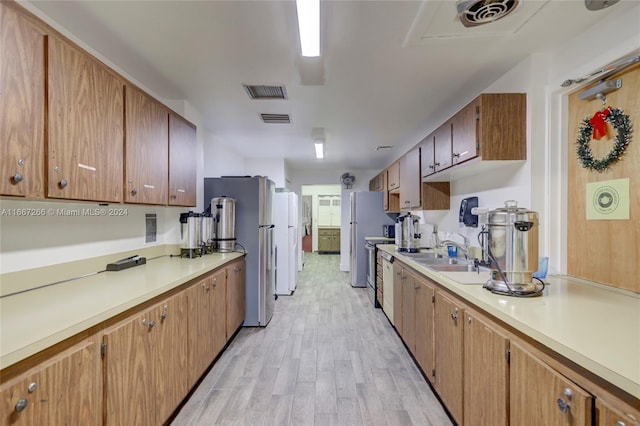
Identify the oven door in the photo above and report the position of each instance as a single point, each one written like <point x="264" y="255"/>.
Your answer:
<point x="371" y="272"/>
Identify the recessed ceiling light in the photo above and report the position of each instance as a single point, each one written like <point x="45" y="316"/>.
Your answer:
<point x="309" y="26"/>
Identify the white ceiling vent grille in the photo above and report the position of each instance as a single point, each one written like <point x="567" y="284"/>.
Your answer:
<point x="478" y="12"/>
<point x="265" y="92"/>
<point x="275" y="118"/>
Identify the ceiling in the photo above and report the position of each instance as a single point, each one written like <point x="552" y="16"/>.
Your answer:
<point x="387" y="70"/>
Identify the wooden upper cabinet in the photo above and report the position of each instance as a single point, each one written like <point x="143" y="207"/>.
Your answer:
<point x="427" y="156"/>
<point x="146" y="149"/>
<point x="393" y="176"/>
<point x="182" y="162"/>
<point x="492" y="127"/>
<point x="442" y="147"/>
<point x="410" y="191"/>
<point x="465" y="133"/>
<point x="22" y="79"/>
<point x="85" y="144"/>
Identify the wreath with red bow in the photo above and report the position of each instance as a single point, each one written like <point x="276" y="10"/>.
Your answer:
<point x="596" y="127"/>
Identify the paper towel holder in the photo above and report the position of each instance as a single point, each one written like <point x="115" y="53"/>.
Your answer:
<point x="465" y="217"/>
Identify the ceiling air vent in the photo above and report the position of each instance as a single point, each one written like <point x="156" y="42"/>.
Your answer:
<point x="275" y="118"/>
<point x="265" y="92"/>
<point x="478" y="12"/>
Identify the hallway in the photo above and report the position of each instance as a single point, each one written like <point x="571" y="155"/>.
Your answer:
<point x="326" y="358"/>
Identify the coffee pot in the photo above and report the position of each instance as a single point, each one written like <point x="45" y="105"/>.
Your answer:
<point x="409" y="238"/>
<point x="510" y="249"/>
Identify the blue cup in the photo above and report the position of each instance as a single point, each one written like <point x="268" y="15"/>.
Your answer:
<point x="452" y="250"/>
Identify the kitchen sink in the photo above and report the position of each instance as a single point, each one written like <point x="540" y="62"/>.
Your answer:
<point x="453" y="268"/>
<point x="437" y="261"/>
<point x="421" y="255"/>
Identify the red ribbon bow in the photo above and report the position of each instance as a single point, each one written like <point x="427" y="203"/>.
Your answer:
<point x="599" y="124"/>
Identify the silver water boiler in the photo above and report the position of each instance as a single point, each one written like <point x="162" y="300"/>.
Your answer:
<point x="223" y="210"/>
<point x="206" y="233"/>
<point x="191" y="246"/>
<point x="510" y="248"/>
<point x="409" y="239"/>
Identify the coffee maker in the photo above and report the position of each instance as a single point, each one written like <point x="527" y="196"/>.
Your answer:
<point x="408" y="238"/>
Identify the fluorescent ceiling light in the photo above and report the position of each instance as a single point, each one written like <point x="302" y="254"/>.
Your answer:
<point x="319" y="144"/>
<point x="309" y="26"/>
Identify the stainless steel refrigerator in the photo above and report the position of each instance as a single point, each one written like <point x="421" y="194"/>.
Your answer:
<point x="254" y="233"/>
<point x="366" y="220"/>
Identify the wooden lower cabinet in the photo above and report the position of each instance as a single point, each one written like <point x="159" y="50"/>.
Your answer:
<point x="610" y="415"/>
<point x="144" y="364"/>
<point x="448" y="334"/>
<point x="207" y="323"/>
<point x="64" y="390"/>
<point x="425" y="303"/>
<point x="541" y="395"/>
<point x="398" y="278"/>
<point x="408" y="327"/>
<point x="236" y="281"/>
<point x="486" y="372"/>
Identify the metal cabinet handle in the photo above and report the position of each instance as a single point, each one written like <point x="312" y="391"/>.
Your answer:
<point x="17" y="178"/>
<point x="456" y="155"/>
<point x="63" y="183"/>
<point x="563" y="405"/>
<point x="173" y="197"/>
<point x="568" y="393"/>
<point x="32" y="387"/>
<point x="431" y="166"/>
<point x="163" y="315"/>
<point x="152" y="323"/>
<point x="620" y="423"/>
<point x="469" y="320"/>
<point x="134" y="192"/>
<point x="22" y="404"/>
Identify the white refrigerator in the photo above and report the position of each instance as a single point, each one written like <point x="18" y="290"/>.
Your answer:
<point x="285" y="219"/>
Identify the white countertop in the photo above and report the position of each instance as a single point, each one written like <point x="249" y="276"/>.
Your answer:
<point x="593" y="325"/>
<point x="35" y="320"/>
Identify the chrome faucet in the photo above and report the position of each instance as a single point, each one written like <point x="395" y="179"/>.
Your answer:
<point x="464" y="247"/>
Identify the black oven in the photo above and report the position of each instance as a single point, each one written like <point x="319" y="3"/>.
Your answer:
<point x="371" y="272"/>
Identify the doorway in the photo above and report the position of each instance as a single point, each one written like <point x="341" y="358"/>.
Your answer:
<point x="319" y="204"/>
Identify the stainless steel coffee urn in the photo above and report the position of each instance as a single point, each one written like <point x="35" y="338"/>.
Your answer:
<point x="409" y="239"/>
<point x="510" y="247"/>
<point x="223" y="210"/>
<point x="191" y="246"/>
<point x="206" y="240"/>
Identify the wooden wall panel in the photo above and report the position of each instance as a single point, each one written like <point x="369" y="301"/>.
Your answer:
<point x="606" y="251"/>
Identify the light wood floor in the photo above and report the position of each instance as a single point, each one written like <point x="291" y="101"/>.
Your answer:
<point x="326" y="358"/>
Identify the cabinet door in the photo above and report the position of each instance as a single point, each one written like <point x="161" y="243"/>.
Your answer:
<point x="449" y="317"/>
<point x="393" y="176"/>
<point x="128" y="372"/>
<point x="427" y="156"/>
<point x="183" y="147"/>
<point x="486" y="372"/>
<point x="22" y="113"/>
<point x="169" y="356"/>
<point x="218" y="318"/>
<point x="64" y="391"/>
<point x="235" y="296"/>
<point x="612" y="416"/>
<point x="425" y="301"/>
<point x="85" y="143"/>
<point x="410" y="191"/>
<point x="409" y="288"/>
<point x="465" y="133"/>
<point x="146" y="149"/>
<point x="442" y="146"/>
<point x="398" y="278"/>
<point x="199" y="332"/>
<point x="541" y="393"/>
